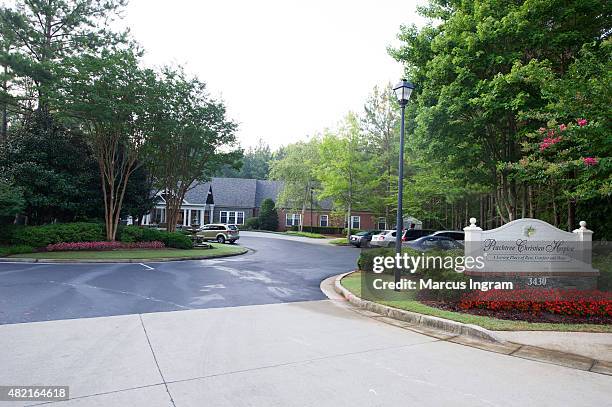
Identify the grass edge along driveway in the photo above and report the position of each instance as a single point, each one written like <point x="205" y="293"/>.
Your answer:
<point x="127" y="254"/>
<point x="352" y="282"/>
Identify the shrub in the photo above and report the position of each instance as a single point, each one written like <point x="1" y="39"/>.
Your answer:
<point x="366" y="263"/>
<point x="75" y="246"/>
<point x="178" y="240"/>
<point x="7" y="232"/>
<point x="324" y="230"/>
<point x="563" y="302"/>
<point x="353" y="231"/>
<point x="129" y="234"/>
<point x="41" y="236"/>
<point x="366" y="258"/>
<point x="268" y="216"/>
<point x="17" y="249"/>
<point x="252" y="223"/>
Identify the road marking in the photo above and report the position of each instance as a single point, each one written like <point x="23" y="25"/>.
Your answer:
<point x="147" y="267"/>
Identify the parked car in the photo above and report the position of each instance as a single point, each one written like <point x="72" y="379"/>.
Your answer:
<point x="411" y="234"/>
<point x="458" y="235"/>
<point x="362" y="238"/>
<point x="220" y="232"/>
<point x="434" y="242"/>
<point x="386" y="238"/>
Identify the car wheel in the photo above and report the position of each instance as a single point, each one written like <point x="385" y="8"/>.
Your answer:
<point x="358" y="245"/>
<point x="221" y="239"/>
<point x="232" y="241"/>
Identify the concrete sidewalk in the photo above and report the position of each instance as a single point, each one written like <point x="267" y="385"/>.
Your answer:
<point x="589" y="344"/>
<point x="316" y="353"/>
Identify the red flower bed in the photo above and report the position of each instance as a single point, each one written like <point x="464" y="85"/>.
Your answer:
<point x="62" y="247"/>
<point x="563" y="302"/>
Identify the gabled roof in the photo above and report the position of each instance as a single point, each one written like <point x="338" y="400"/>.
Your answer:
<point x="197" y="195"/>
<point x="234" y="192"/>
<point x="267" y="189"/>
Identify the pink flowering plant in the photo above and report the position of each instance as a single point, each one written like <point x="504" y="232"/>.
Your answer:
<point x="100" y="246"/>
<point x="565" y="156"/>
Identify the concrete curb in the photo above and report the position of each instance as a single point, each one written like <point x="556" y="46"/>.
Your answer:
<point x="458" y="333"/>
<point x="155" y="260"/>
<point x="452" y="327"/>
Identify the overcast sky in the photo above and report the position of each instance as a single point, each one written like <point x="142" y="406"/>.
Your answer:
<point x="286" y="70"/>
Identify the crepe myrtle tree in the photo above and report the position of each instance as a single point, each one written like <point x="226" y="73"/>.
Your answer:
<point x="112" y="99"/>
<point x="191" y="141"/>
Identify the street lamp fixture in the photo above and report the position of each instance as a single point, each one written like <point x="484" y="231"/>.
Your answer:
<point x="402" y="91"/>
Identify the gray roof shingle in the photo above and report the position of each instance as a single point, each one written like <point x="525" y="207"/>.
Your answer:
<point x="235" y="192"/>
<point x="267" y="189"/>
<point x="241" y="193"/>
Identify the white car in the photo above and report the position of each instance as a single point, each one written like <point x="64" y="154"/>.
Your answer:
<point x="386" y="238"/>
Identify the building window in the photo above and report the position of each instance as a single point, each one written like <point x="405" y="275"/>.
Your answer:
<point x="292" y="219"/>
<point x="355" y="222"/>
<point x="157" y="216"/>
<point x="324" y="221"/>
<point x="382" y="223"/>
<point x="232" y="217"/>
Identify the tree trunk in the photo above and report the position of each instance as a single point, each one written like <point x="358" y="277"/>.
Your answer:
<point x="4" y="128"/>
<point x="348" y="224"/>
<point x="556" y="214"/>
<point x="571" y="214"/>
<point x="531" y="203"/>
<point x="524" y="202"/>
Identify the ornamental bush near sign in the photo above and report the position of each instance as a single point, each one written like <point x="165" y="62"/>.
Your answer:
<point x="532" y="254"/>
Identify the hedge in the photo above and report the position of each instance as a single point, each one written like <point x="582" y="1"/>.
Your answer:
<point x="10" y="250"/>
<point x="366" y="263"/>
<point x="42" y="236"/>
<point x="177" y="240"/>
<point x="324" y="230"/>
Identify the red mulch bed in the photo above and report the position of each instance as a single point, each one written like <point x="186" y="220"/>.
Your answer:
<point x="516" y="315"/>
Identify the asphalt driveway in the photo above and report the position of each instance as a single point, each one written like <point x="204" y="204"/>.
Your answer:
<point x="277" y="270"/>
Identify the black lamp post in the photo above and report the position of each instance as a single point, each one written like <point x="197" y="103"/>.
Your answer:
<point x="402" y="91"/>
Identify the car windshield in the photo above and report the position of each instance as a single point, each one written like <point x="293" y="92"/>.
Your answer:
<point x="361" y="233"/>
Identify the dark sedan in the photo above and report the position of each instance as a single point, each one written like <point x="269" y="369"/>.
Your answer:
<point x="363" y="238"/>
<point x="434" y="242"/>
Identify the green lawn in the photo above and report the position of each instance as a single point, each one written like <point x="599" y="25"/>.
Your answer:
<point x="343" y="241"/>
<point x="217" y="250"/>
<point x="352" y="282"/>
<point x="306" y="234"/>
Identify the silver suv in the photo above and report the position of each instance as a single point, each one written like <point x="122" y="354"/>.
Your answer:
<point x="220" y="232"/>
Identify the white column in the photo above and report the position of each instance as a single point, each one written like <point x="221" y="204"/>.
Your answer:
<point x="147" y="219"/>
<point x="473" y="236"/>
<point x="188" y="217"/>
<point x="584" y="242"/>
<point x="212" y="213"/>
<point x="184" y="217"/>
<point x="201" y="217"/>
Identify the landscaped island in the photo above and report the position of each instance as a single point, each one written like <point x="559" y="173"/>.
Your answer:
<point x="85" y="241"/>
<point x="525" y="309"/>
